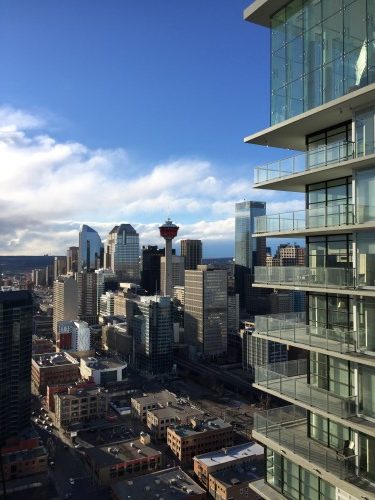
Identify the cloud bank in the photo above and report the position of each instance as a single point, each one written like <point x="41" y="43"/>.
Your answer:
<point x="49" y="187"/>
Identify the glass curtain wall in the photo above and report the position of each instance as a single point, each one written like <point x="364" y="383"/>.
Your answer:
<point x="312" y="61"/>
<point x="365" y="195"/>
<point x="330" y="146"/>
<point x="329" y="203"/>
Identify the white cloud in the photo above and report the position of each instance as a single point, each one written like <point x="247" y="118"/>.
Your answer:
<point x="48" y="188"/>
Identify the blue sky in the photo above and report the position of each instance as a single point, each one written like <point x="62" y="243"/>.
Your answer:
<point x="129" y="111"/>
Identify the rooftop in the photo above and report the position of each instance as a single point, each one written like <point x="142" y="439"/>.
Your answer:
<point x="103" y="364"/>
<point x="20" y="456"/>
<point x="224" y="455"/>
<point x="74" y="392"/>
<point x="162" y="397"/>
<point x="202" y="426"/>
<point x="176" y="410"/>
<point x="167" y="484"/>
<point x="54" y="359"/>
<point x="121" y="451"/>
<point x="240" y="474"/>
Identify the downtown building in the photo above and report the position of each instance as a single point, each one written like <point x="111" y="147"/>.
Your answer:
<point x="90" y="250"/>
<point x="322" y="445"/>
<point x="191" y="250"/>
<point x="122" y="253"/>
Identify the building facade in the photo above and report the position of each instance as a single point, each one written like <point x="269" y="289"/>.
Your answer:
<point x="178" y="272"/>
<point x="122" y="253"/>
<point x="65" y="301"/>
<point x="150" y="268"/>
<point x="90" y="249"/>
<point x="206" y="309"/>
<point x="323" y="104"/>
<point x="191" y="250"/>
<point x="72" y="259"/>
<point x="87" y="297"/>
<point x="16" y="310"/>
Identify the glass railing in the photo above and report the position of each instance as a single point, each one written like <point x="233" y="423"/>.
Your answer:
<point x="289" y="378"/>
<point x="287" y="427"/>
<point x="325" y="277"/>
<point x="315" y="158"/>
<point x="328" y="216"/>
<point x="293" y="328"/>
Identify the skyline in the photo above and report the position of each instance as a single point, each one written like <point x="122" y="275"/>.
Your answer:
<point x="149" y="127"/>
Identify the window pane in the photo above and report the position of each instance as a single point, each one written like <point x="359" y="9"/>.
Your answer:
<point x="294" y="17"/>
<point x="279" y="68"/>
<point x="333" y="37"/>
<point x="355" y="25"/>
<point x="355" y="69"/>
<point x="312" y="13"/>
<point x="278" y="30"/>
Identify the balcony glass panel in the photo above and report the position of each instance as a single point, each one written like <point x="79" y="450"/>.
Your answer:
<point x="293" y="328"/>
<point x="318" y="157"/>
<point x="290" y="379"/>
<point x="287" y="427"/>
<point x="326" y="216"/>
<point x="306" y="276"/>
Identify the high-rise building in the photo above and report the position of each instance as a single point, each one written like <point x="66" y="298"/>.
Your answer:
<point x="90" y="249"/>
<point x="16" y="310"/>
<point x="178" y="271"/>
<point x="59" y="266"/>
<point x="150" y="268"/>
<point x="206" y="309"/>
<point x="122" y="253"/>
<point x="322" y="104"/>
<point x="249" y="252"/>
<point x="65" y="300"/>
<point x="72" y="259"/>
<point x="87" y="297"/>
<point x="106" y="281"/>
<point x="168" y="231"/>
<point x="192" y="251"/>
<point x="152" y="327"/>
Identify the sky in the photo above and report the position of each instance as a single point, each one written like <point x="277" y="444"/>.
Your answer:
<point x="130" y="111"/>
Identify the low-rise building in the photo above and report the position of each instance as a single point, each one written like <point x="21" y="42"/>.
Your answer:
<point x="80" y="405"/>
<point x="233" y="484"/>
<point x="103" y="371"/>
<point x="141" y="404"/>
<point x="201" y="436"/>
<point x="227" y="459"/>
<point x="53" y="369"/>
<point x="42" y="345"/>
<point x="159" y="419"/>
<point x="123" y="459"/>
<point x="167" y="484"/>
<point x="63" y="389"/>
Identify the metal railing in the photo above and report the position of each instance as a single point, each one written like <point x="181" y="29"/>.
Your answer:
<point x="293" y="328"/>
<point x="324" y="277"/>
<point x="290" y="378"/>
<point x="287" y="427"/>
<point x="327" y="216"/>
<point x="315" y="158"/>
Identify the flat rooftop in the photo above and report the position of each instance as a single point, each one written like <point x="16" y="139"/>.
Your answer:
<point x="244" y="473"/>
<point x="23" y="455"/>
<point x="169" y="484"/>
<point x="53" y="359"/>
<point x="227" y="455"/>
<point x="104" y="364"/>
<point x="203" y="426"/>
<point x="119" y="452"/>
<point x="80" y="393"/>
<point x="162" y="397"/>
<point x="176" y="410"/>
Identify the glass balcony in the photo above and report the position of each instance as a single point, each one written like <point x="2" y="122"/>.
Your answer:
<point x="300" y="220"/>
<point x="293" y="328"/>
<point x="323" y="277"/>
<point x="290" y="379"/>
<point x="302" y="162"/>
<point x="287" y="427"/>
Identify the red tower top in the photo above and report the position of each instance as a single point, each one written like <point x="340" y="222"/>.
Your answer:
<point x="168" y="230"/>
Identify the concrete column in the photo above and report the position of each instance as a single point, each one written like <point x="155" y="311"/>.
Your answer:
<point x="168" y="268"/>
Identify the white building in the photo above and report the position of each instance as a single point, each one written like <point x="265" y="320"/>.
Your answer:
<point x="80" y="334"/>
<point x="103" y="371"/>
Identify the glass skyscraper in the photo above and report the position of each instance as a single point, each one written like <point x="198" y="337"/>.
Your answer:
<point x="90" y="248"/>
<point x="322" y="444"/>
<point x="122" y="255"/>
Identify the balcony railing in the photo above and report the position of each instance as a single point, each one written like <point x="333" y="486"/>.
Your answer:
<point x="290" y="379"/>
<point x="324" y="277"/>
<point x="293" y="328"/>
<point x="302" y="162"/>
<point x="313" y="218"/>
<point x="287" y="427"/>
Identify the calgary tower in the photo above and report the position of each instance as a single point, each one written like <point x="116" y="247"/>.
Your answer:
<point x="168" y="231"/>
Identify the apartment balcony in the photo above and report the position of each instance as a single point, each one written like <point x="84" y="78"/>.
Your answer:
<point x="290" y="379"/>
<point x="292" y="329"/>
<point x="334" y="218"/>
<point x="317" y="165"/>
<point x="287" y="427"/>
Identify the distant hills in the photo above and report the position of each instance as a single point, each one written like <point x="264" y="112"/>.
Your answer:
<point x="24" y="263"/>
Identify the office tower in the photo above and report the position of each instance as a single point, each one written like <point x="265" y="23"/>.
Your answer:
<point x="150" y="268"/>
<point x="168" y="231"/>
<point x="38" y="277"/>
<point x="16" y="310"/>
<point x="65" y="300"/>
<point x="73" y="336"/>
<point x="206" y="309"/>
<point x="192" y="251"/>
<point x="72" y="259"/>
<point x="90" y="249"/>
<point x="87" y="297"/>
<point x="122" y="253"/>
<point x="106" y="281"/>
<point x="152" y="327"/>
<point x="322" y="104"/>
<point x="59" y="267"/>
<point x="178" y="272"/>
<point x="249" y="252"/>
